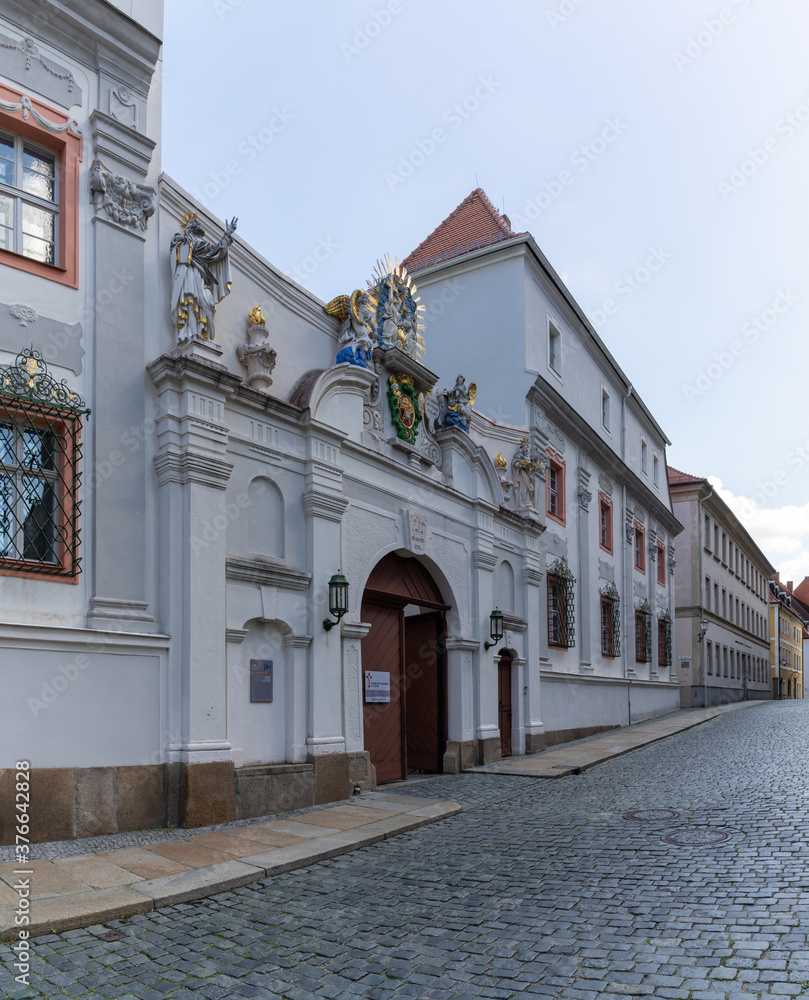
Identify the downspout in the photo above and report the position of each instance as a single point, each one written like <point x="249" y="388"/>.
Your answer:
<point x="624" y="561"/>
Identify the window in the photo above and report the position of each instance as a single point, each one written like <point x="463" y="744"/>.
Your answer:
<point x="555" y="490"/>
<point x="610" y="622"/>
<point x="730" y="607"/>
<point x="39" y="177"/>
<point x="561" y="616"/>
<point x="716" y="541"/>
<point x="605" y="522"/>
<point x="716" y="598"/>
<point x="708" y="659"/>
<point x="661" y="564"/>
<point x="724" y="548"/>
<point x="643" y="634"/>
<point x="605" y="409"/>
<point x="725" y="659"/>
<point x="29" y="199"/>
<point x="554" y="348"/>
<point x="40" y="426"/>
<point x="707" y="538"/>
<point x="724" y="603"/>
<point x="708" y="592"/>
<point x="656" y="470"/>
<point x="664" y="640"/>
<point x="644" y="457"/>
<point x="640" y="552"/>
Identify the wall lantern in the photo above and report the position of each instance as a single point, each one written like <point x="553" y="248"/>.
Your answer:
<point x="495" y="628"/>
<point x="703" y="628"/>
<point x="338" y="599"/>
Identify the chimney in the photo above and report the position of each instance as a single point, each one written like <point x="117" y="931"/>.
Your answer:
<point x="789" y="585"/>
<point x="777" y="576"/>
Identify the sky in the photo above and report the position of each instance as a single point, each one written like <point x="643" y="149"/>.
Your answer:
<point x="658" y="154"/>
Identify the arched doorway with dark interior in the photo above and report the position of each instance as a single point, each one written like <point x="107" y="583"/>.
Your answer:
<point x="404" y="669"/>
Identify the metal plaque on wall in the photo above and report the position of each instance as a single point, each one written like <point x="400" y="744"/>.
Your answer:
<point x="261" y="680"/>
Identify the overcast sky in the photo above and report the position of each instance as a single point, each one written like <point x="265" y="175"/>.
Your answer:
<point x="618" y="133"/>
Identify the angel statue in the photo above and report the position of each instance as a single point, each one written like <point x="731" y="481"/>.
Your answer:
<point x="201" y="278"/>
<point x="357" y="318"/>
<point x="524" y="472"/>
<point x="456" y="405"/>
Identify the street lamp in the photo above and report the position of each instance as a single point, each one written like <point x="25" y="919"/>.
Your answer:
<point x="495" y="628"/>
<point x="703" y="628"/>
<point x="338" y="600"/>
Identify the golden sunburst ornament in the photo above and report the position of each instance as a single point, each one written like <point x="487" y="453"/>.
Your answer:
<point x="401" y="289"/>
<point x="187" y="216"/>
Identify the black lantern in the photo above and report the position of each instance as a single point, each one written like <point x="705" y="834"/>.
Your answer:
<point x="338" y="599"/>
<point x="495" y="628"/>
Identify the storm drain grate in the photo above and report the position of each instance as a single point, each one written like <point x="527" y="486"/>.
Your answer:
<point x="696" y="836"/>
<point x="652" y="815"/>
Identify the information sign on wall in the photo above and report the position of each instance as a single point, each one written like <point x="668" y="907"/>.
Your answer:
<point x="261" y="680"/>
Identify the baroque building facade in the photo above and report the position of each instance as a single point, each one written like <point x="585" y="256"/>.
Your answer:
<point x="722" y="618"/>
<point x="256" y="554"/>
<point x="789" y="624"/>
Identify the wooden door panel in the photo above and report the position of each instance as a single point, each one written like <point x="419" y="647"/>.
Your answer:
<point x="424" y="692"/>
<point x="504" y="703"/>
<point x="384" y="722"/>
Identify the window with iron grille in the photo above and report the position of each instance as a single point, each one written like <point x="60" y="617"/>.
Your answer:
<point x="643" y="633"/>
<point x="664" y="640"/>
<point x="561" y="606"/>
<point x="610" y="622"/>
<point x="40" y="428"/>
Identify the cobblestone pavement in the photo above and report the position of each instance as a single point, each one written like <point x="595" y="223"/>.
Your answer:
<point x="538" y="889"/>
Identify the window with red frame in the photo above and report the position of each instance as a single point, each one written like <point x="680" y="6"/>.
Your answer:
<point x="555" y="490"/>
<point x="661" y="564"/>
<point x="640" y="551"/>
<point x="605" y="523"/>
<point x="40" y="428"/>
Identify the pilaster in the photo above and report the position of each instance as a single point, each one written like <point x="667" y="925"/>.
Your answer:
<point x="296" y="656"/>
<point x="352" y="634"/>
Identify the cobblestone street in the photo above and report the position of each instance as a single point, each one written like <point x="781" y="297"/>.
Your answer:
<point x="539" y="888"/>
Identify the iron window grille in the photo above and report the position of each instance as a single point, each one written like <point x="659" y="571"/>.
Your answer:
<point x="40" y="430"/>
<point x="610" y="621"/>
<point x="561" y="606"/>
<point x="664" y="639"/>
<point x="643" y="633"/>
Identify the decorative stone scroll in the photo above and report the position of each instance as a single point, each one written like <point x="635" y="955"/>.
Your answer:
<point x="126" y="203"/>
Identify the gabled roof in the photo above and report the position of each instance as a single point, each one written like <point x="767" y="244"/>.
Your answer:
<point x="676" y="478"/>
<point x="475" y="223"/>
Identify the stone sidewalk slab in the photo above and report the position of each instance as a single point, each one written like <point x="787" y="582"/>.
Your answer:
<point x="580" y="757"/>
<point x="93" y="888"/>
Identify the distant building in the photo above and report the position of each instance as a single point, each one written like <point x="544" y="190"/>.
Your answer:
<point x="788" y="628"/>
<point x="722" y="618"/>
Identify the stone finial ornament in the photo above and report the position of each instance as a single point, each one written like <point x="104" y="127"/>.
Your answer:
<point x="201" y="278"/>
<point x="256" y="355"/>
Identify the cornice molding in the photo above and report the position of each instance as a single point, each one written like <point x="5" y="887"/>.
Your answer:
<point x="328" y="506"/>
<point x="187" y="467"/>
<point x="266" y="572"/>
<point x="355" y="630"/>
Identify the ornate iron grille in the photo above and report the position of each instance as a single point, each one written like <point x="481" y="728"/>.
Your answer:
<point x="643" y="633"/>
<point x="40" y="428"/>
<point x="561" y="606"/>
<point x="664" y="639"/>
<point x="610" y="621"/>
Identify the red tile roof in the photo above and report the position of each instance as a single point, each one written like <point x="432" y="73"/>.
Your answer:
<point x="475" y="221"/>
<point x="676" y="477"/>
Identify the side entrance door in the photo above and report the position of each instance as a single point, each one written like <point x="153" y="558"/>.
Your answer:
<point x="504" y="700"/>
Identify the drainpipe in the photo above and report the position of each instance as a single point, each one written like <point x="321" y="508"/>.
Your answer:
<point x="627" y="678"/>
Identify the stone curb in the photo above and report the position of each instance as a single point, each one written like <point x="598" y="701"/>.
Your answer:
<point x="519" y="769"/>
<point x="97" y="906"/>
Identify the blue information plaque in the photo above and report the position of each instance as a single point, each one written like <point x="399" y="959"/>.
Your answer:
<point x="261" y="680"/>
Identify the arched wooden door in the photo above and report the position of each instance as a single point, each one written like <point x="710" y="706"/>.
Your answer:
<point x="403" y="663"/>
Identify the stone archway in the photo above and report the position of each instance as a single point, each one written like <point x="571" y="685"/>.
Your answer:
<point x="403" y="661"/>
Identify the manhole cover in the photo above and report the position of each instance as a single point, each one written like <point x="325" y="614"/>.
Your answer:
<point x="652" y="815"/>
<point x="111" y="935"/>
<point x="696" y="836"/>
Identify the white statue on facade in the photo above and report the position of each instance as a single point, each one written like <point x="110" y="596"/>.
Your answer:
<point x="201" y="278"/>
<point x="524" y="471"/>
